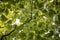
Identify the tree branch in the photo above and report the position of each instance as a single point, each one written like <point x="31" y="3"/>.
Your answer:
<point x="6" y="34"/>
<point x="27" y="21"/>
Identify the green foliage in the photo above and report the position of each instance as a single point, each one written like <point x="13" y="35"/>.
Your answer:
<point x="29" y="19"/>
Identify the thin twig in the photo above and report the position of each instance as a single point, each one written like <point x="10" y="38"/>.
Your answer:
<point x="27" y="21"/>
<point x="7" y="34"/>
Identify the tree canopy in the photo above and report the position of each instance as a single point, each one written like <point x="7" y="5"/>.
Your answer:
<point x="29" y="19"/>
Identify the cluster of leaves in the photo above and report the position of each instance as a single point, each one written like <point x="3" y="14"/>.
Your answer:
<point x="29" y="19"/>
